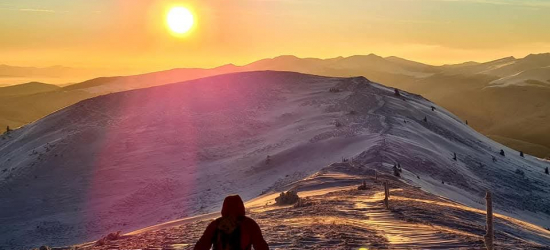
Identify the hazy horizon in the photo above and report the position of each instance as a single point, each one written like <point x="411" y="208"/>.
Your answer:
<point x="90" y="73"/>
<point x="123" y="35"/>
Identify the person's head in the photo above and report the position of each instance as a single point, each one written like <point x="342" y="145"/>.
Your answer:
<point x="233" y="206"/>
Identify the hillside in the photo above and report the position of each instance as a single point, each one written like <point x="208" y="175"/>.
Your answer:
<point x="27" y="89"/>
<point x="25" y="107"/>
<point x="334" y="214"/>
<point x="481" y="93"/>
<point x="16" y="75"/>
<point x="129" y="160"/>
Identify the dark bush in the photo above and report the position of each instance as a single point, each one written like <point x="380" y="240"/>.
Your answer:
<point x="114" y="236"/>
<point x="520" y="172"/>
<point x="287" y="198"/>
<point x="110" y="237"/>
<point x="363" y="186"/>
<point x="396" y="92"/>
<point x="302" y="203"/>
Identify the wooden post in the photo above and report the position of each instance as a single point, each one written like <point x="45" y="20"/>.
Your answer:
<point x="386" y="195"/>
<point x="489" y="236"/>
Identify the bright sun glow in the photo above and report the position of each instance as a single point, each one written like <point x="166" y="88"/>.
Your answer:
<point x="179" y="20"/>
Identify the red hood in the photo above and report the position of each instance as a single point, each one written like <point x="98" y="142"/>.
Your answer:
<point x="233" y="206"/>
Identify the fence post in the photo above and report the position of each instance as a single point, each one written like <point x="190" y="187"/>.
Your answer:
<point x="386" y="195"/>
<point x="489" y="236"/>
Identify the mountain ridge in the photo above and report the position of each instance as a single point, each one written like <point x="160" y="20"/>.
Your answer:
<point x="150" y="155"/>
<point x="459" y="88"/>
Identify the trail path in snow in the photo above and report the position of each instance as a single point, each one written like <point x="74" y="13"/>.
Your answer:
<point x="337" y="217"/>
<point x="406" y="235"/>
<point x="380" y="102"/>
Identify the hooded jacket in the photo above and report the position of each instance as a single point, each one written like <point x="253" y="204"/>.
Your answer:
<point x="250" y="233"/>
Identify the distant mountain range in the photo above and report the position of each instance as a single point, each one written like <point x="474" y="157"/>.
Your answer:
<point x="506" y="99"/>
<point x="59" y="75"/>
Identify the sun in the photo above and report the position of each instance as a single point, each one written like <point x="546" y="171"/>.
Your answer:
<point x="180" y="20"/>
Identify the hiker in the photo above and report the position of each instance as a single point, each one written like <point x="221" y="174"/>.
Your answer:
<point x="232" y="231"/>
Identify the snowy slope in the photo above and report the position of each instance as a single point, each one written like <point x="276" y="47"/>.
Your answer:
<point x="133" y="159"/>
<point x="534" y="77"/>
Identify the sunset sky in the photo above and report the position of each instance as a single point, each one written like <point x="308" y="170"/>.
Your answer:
<point x="132" y="34"/>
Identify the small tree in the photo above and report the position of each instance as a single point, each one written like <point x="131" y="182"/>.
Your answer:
<point x="396" y="171"/>
<point x="466" y="122"/>
<point x="425" y="119"/>
<point x="8" y="129"/>
<point x="502" y="152"/>
<point x="546" y="170"/>
<point x="521" y="153"/>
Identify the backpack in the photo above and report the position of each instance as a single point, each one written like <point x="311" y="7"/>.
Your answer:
<point x="228" y="234"/>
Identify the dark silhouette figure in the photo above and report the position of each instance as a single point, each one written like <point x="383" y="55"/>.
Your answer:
<point x="521" y="154"/>
<point x="425" y="119"/>
<point x="502" y="152"/>
<point x="397" y="92"/>
<point x="454" y="157"/>
<point x="546" y="170"/>
<point x="232" y="231"/>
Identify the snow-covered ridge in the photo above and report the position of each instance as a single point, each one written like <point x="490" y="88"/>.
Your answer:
<point x="129" y="160"/>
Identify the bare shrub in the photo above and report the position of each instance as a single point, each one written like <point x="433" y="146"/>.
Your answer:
<point x="288" y="198"/>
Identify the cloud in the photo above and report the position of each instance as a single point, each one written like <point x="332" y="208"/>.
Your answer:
<point x="36" y="10"/>
<point x="519" y="3"/>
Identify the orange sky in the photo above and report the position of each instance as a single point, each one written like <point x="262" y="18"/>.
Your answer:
<point x="125" y="34"/>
